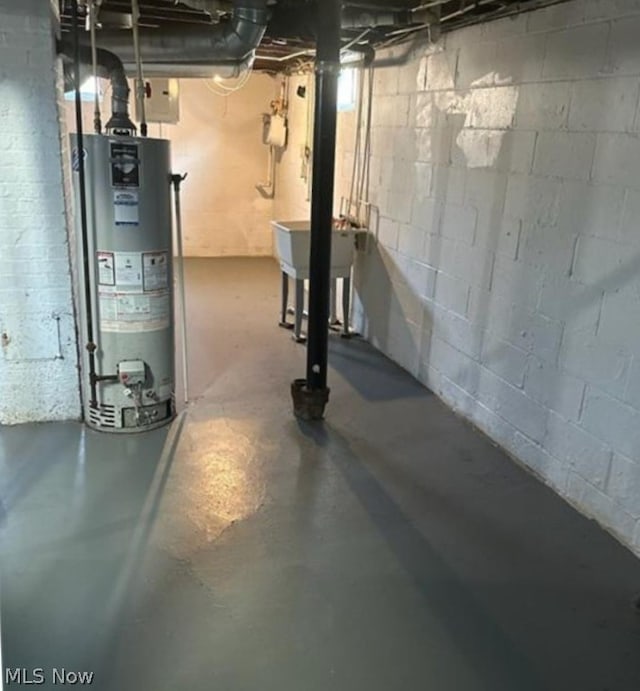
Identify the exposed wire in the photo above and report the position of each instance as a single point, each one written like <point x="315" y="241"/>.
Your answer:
<point x="287" y="57"/>
<point x="409" y="29"/>
<point x="428" y="5"/>
<point x="220" y="89"/>
<point x="402" y="37"/>
<point x="355" y="40"/>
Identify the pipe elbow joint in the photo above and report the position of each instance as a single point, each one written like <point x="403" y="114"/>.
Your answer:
<point x="109" y="66"/>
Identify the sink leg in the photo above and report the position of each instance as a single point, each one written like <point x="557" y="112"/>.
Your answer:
<point x="297" y="330"/>
<point x="346" y="307"/>
<point x="285" y="299"/>
<point x="333" y="319"/>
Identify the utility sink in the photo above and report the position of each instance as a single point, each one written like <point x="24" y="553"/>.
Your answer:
<point x="293" y="240"/>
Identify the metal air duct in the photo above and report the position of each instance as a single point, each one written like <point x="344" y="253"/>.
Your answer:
<point x="225" y="45"/>
<point x="357" y="18"/>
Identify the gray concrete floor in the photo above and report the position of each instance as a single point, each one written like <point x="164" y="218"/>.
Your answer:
<point x="391" y="548"/>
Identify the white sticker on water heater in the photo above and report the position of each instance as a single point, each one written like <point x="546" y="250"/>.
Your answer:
<point x="140" y="300"/>
<point x="106" y="268"/>
<point x="155" y="270"/>
<point x="128" y="270"/>
<point x="126" y="208"/>
<point x="131" y="313"/>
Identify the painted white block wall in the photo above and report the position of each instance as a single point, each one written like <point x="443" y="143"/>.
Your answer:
<point x="506" y="271"/>
<point x="38" y="359"/>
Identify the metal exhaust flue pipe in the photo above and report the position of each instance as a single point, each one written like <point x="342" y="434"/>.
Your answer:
<point x="108" y="67"/>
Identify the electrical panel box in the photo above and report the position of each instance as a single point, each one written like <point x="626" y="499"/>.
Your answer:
<point x="162" y="102"/>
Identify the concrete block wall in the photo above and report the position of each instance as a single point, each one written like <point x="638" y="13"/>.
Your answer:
<point x="38" y="358"/>
<point x="505" y="269"/>
<point x="515" y="270"/>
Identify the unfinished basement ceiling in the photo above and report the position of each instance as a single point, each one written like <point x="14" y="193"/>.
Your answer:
<point x="291" y="28"/>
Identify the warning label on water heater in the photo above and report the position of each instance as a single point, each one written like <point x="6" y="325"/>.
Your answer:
<point x="126" y="209"/>
<point x="128" y="270"/>
<point x="129" y="313"/>
<point x="133" y="295"/>
<point x="106" y="269"/>
<point x="155" y="274"/>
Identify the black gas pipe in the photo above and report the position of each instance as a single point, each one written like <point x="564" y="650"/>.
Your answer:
<point x="90" y="345"/>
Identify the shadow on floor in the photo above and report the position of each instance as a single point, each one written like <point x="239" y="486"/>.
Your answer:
<point x="497" y="662"/>
<point x="359" y="364"/>
<point x="506" y="627"/>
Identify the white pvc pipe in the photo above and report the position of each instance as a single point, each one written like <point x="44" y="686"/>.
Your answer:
<point x="93" y="16"/>
<point x="182" y="292"/>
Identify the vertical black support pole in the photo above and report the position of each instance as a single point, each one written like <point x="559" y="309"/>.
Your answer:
<point x="311" y="395"/>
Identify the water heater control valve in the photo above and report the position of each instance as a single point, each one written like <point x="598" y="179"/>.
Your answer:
<point x="132" y="373"/>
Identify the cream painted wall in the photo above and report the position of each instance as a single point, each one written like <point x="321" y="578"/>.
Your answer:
<point x="292" y="185"/>
<point x="292" y="198"/>
<point x="218" y="142"/>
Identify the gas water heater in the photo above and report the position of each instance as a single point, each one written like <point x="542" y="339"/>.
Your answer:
<point x="125" y="274"/>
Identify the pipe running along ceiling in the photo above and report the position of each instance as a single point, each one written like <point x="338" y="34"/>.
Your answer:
<point x="196" y="37"/>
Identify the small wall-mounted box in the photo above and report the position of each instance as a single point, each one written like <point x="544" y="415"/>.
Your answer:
<point x="162" y="103"/>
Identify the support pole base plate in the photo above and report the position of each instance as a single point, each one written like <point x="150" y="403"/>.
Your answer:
<point x="308" y="404"/>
